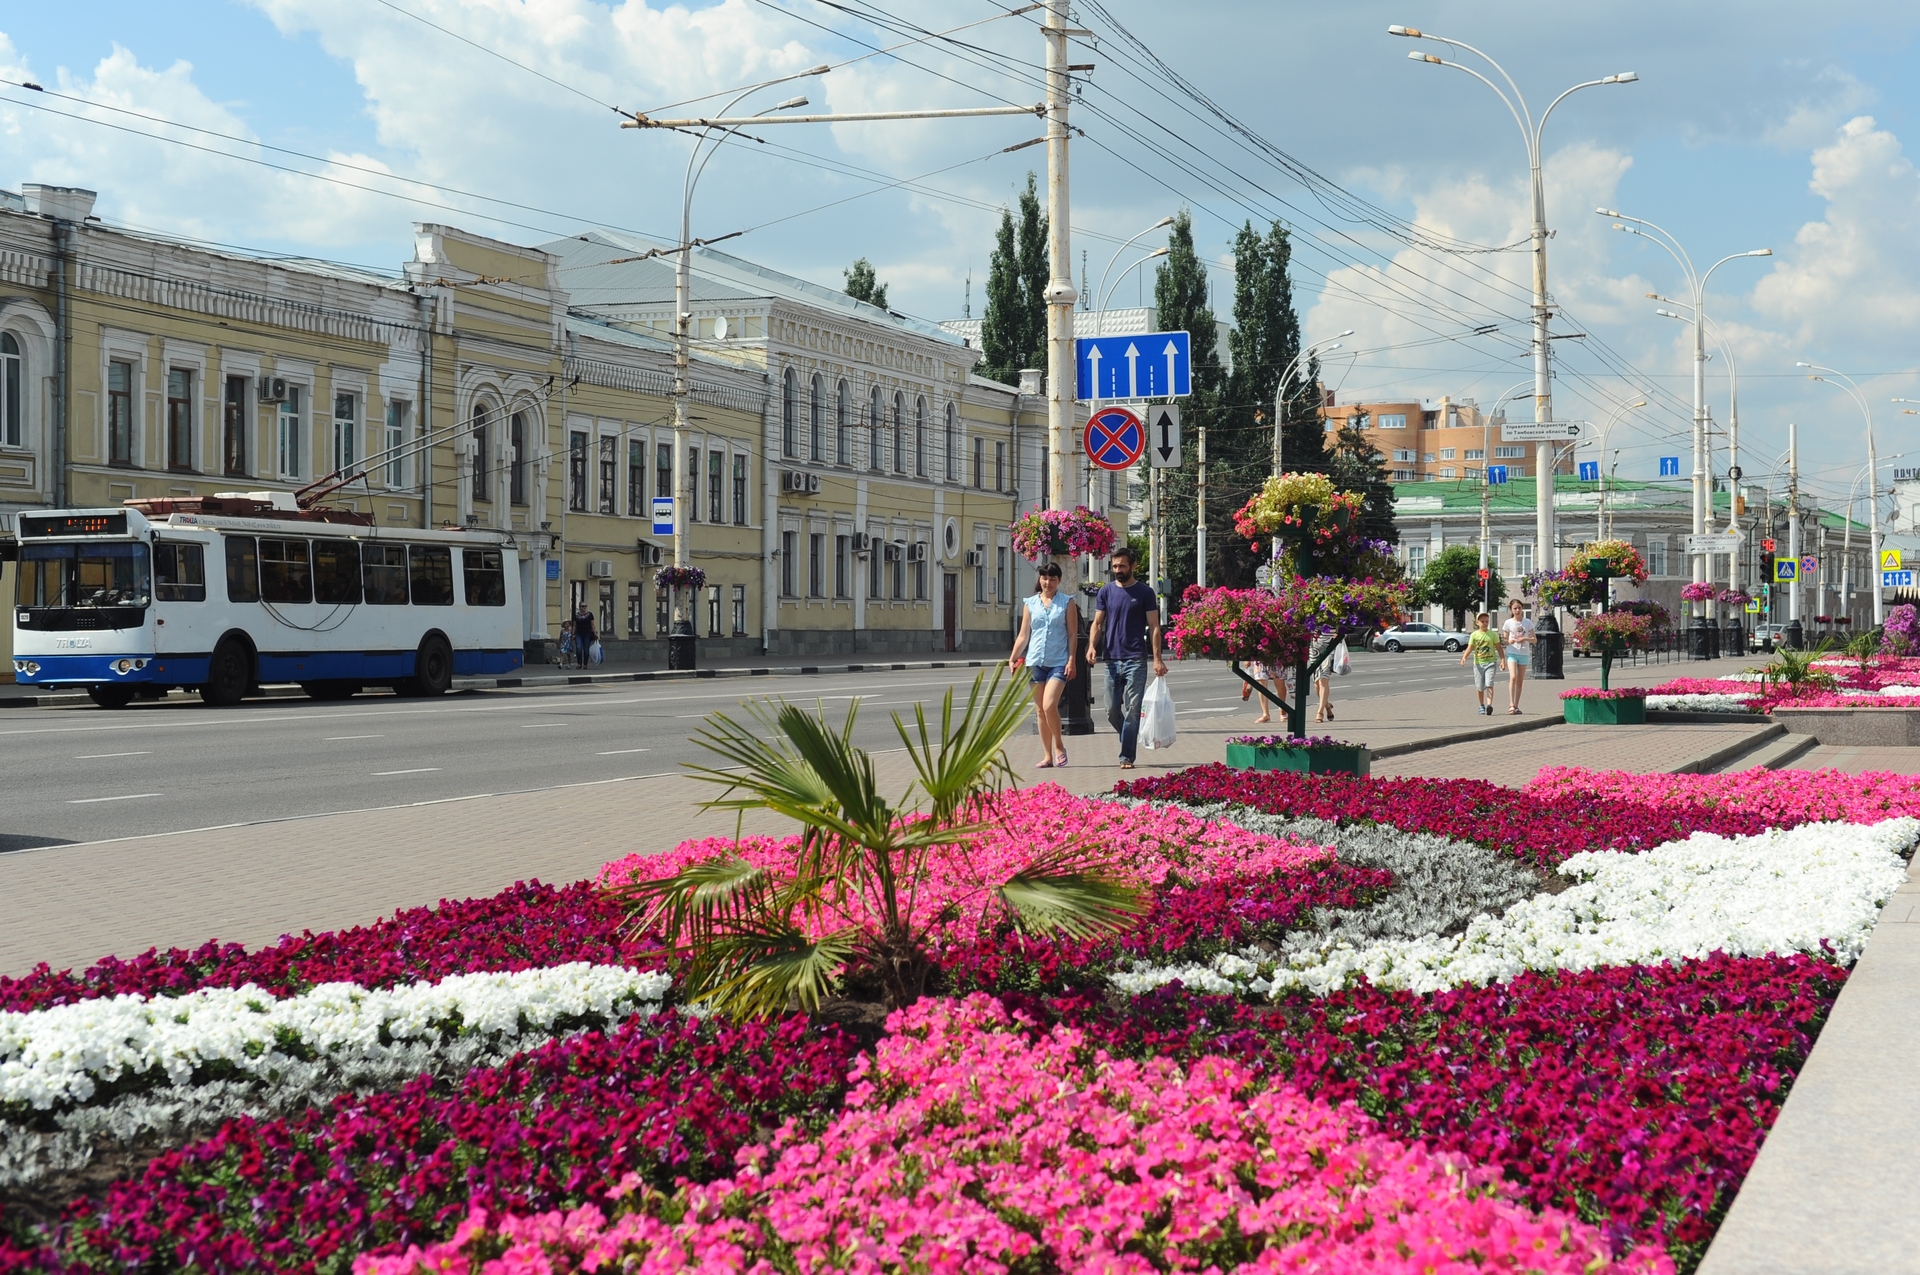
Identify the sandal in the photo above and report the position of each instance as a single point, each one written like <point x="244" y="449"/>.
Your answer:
<point x="1513" y="712"/>
<point x="1061" y="758"/>
<point x="1126" y="765"/>
<point x="1045" y="763"/>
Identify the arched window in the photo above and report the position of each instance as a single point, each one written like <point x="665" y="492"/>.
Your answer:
<point x="876" y="417"/>
<point x="482" y="459"/>
<point x="12" y="431"/>
<point x="813" y="417"/>
<point x="789" y="415"/>
<point x="953" y="444"/>
<point x="842" y="441"/>
<point x="920" y="437"/>
<point x="899" y="411"/>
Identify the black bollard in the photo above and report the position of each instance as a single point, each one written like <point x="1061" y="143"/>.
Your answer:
<point x="1549" y="655"/>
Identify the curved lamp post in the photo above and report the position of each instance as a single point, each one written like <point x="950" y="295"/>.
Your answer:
<point x="1845" y="382"/>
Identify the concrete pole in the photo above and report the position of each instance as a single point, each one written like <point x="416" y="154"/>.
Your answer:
<point x="1873" y="522"/>
<point x="1200" y="518"/>
<point x="1061" y="294"/>
<point x="682" y="482"/>
<point x="1548" y="555"/>
<point x="1700" y="562"/>
<point x="1793" y="520"/>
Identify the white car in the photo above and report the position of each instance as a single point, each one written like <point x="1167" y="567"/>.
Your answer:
<point x="1418" y="637"/>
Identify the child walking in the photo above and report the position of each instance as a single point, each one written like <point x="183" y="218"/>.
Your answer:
<point x="1483" y="648"/>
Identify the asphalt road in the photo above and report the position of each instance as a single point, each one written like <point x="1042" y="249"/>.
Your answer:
<point x="80" y="773"/>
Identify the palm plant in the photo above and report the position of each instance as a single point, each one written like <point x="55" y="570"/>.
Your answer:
<point x="1795" y="669"/>
<point x="756" y="940"/>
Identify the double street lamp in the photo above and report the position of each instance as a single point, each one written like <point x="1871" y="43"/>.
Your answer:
<point x="1530" y="130"/>
<point x="1842" y="380"/>
<point x="1280" y="395"/>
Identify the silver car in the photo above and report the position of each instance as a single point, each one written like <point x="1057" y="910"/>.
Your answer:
<point x="1418" y="637"/>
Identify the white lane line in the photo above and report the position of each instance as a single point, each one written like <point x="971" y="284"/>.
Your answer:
<point x="97" y="756"/>
<point x="132" y="796"/>
<point x="543" y="725"/>
<point x="616" y="752"/>
<point x="334" y="739"/>
<point x="417" y="770"/>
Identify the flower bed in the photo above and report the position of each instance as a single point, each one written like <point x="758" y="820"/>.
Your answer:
<point x="1594" y="692"/>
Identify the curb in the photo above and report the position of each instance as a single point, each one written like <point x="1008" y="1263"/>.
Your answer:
<point x="1681" y="717"/>
<point x="1720" y="756"/>
<point x="687" y="675"/>
<point x="1465" y="737"/>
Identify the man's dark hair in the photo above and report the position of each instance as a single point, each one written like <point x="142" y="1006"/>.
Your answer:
<point x="1124" y="551"/>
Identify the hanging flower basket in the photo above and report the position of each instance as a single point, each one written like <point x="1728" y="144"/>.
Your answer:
<point x="681" y="577"/>
<point x="1053" y="533"/>
<point x="1698" y="591"/>
<point x="1320" y="528"/>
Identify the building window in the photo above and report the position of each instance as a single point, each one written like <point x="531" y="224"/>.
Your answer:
<point x="1446" y="471"/>
<point x="814" y="422"/>
<point x="739" y="491"/>
<point x="1657" y="557"/>
<point x="1000" y="573"/>
<point x="816" y="567"/>
<point x="1427" y="458"/>
<point x="1522" y="560"/>
<point x="11" y="430"/>
<point x="346" y="432"/>
<point x="662" y="610"/>
<point x="713" y="610"/>
<point x="842" y="439"/>
<point x="1000" y="467"/>
<point x="637" y="477"/>
<point x="1509" y="453"/>
<point x="1390" y="420"/>
<point x="842" y="580"/>
<point x="397" y="413"/>
<point x="899" y="580"/>
<point x="179" y="418"/>
<point x="577" y="471"/>
<point x="980" y="573"/>
<point x="233" y="427"/>
<point x="716" y="477"/>
<point x="953" y="445"/>
<point x="483" y="459"/>
<point x="789" y="415"/>
<point x="605" y="623"/>
<point x="636" y="610"/>
<point x="609" y="470"/>
<point x="290" y="430"/>
<point x="1416" y="559"/>
<point x="899" y="414"/>
<point x="663" y="470"/>
<point x="920" y="575"/>
<point x="693" y="485"/>
<point x="1446" y="453"/>
<point x="517" y="463"/>
<point x="979" y="463"/>
<point x="739" y="610"/>
<point x="876" y="418"/>
<point x="789" y="547"/>
<point x="1475" y="453"/>
<point x="120" y="413"/>
<point x="920" y="438"/>
<point x="875" y="558"/>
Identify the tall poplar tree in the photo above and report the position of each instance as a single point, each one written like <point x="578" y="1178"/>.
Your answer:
<point x="864" y="285"/>
<point x="1013" y="330"/>
<point x="1180" y="298"/>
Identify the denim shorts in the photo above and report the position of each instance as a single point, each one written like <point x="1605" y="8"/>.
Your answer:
<point x="1047" y="673"/>
<point x="1520" y="655"/>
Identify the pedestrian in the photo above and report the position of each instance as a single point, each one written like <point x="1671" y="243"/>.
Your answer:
<point x="1261" y="673"/>
<point x="1126" y="614"/>
<point x="583" y="634"/>
<point x="1049" y="636"/>
<point x="1517" y="636"/>
<point x="1483" y="648"/>
<point x="566" y="643"/>
<point x="1335" y="663"/>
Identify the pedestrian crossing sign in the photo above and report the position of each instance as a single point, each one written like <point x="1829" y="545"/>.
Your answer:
<point x="1785" y="570"/>
<point x="1753" y="606"/>
<point x="1889" y="559"/>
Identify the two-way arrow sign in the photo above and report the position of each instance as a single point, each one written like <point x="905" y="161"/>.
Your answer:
<point x="1163" y="436"/>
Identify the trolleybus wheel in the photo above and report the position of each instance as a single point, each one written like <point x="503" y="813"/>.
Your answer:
<point x="111" y="696"/>
<point x="433" y="666"/>
<point x="229" y="674"/>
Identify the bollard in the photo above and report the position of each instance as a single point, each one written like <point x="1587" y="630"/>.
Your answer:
<point x="1548" y="653"/>
<point x="680" y="646"/>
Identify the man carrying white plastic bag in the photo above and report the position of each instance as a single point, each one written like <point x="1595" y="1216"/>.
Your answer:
<point x="1156" y="715"/>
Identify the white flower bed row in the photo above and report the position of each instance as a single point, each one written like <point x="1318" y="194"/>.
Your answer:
<point x="1778" y="892"/>
<point x="1701" y="703"/>
<point x="59" y="1056"/>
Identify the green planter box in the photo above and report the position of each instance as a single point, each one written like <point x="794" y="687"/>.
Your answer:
<point x="1322" y="761"/>
<point x="1605" y="712"/>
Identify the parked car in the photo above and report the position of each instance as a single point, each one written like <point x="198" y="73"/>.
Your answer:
<point x="1758" y="635"/>
<point x="1418" y="637"/>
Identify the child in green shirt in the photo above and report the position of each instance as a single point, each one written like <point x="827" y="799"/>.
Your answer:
<point x="1483" y="648"/>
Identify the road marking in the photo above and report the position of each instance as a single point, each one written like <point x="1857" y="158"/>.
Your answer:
<point x="543" y="725"/>
<point x="417" y="770"/>
<point x="618" y="751"/>
<point x="334" y="739"/>
<point x="98" y="756"/>
<point x="132" y="796"/>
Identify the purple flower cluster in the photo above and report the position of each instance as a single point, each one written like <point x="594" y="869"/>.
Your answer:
<point x="1293" y="741"/>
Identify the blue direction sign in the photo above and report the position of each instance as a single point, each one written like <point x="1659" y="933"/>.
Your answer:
<point x="1589" y="471"/>
<point x="1149" y="365"/>
<point x="1896" y="579"/>
<point x="1496" y="474"/>
<point x="1115" y="438"/>
<point x="663" y="515"/>
<point x="1669" y="466"/>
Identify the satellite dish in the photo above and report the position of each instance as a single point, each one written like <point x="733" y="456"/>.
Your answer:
<point x="720" y="329"/>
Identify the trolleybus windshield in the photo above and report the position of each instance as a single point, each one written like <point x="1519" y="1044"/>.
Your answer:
<point x="94" y="574"/>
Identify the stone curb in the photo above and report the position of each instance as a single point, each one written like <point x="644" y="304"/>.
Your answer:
<point x="685" y="675"/>
<point x="1465" y="737"/>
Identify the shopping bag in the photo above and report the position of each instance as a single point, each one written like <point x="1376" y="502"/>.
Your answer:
<point x="1156" y="715"/>
<point x="1343" y="663"/>
<point x="596" y="654"/>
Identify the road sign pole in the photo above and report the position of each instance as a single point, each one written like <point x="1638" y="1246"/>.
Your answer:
<point x="1060" y="290"/>
<point x="1200" y="517"/>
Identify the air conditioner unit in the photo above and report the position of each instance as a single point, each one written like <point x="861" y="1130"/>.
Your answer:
<point x="600" y="568"/>
<point x="976" y="557"/>
<point x="792" y="481"/>
<point x="917" y="551"/>
<point x="649" y="554"/>
<point x="892" y="551"/>
<point x="272" y="389"/>
<point x="813" y="483"/>
<point x="862" y="542"/>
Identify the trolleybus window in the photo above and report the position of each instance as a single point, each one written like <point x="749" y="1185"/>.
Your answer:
<point x="336" y="571"/>
<point x="385" y="570"/>
<point x="432" y="575"/>
<point x="285" y="575"/>
<point x="243" y="570"/>
<point x="179" y="572"/>
<point x="83" y="575"/>
<point x="486" y="581"/>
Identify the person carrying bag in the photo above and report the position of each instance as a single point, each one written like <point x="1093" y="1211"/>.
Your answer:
<point x="1156" y="715"/>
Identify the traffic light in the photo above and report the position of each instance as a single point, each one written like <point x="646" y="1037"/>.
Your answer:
<point x="1766" y="559"/>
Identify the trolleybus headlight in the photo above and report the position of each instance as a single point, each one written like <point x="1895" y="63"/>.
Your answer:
<point x="128" y="666"/>
<point x="28" y="667"/>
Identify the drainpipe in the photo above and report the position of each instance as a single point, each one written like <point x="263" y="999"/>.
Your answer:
<point x="769" y="526"/>
<point x="427" y="317"/>
<point x="62" y="339"/>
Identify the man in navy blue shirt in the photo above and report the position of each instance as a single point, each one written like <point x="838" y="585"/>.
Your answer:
<point x="1126" y="626"/>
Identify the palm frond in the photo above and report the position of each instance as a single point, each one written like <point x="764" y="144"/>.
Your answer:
<point x="755" y="972"/>
<point x="1077" y="904"/>
<point x="693" y="898"/>
<point x="968" y="759"/>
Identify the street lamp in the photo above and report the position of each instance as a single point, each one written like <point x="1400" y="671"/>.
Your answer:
<point x="1600" y="514"/>
<point x="1846" y="551"/>
<point x="1845" y="382"/>
<point x="1103" y="293"/>
<point x="1530" y="131"/>
<point x="1733" y="415"/>
<point x="1286" y="379"/>
<point x="1697" y="285"/>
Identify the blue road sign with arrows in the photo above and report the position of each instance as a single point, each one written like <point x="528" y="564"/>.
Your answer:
<point x="1496" y="474"/>
<point x="1669" y="466"/>
<point x="1589" y="471"/>
<point x="1144" y="365"/>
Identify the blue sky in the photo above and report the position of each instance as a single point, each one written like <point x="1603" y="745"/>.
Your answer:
<point x="1760" y="124"/>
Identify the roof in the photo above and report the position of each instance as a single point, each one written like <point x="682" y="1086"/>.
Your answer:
<point x="1462" y="495"/>
<point x="595" y="276"/>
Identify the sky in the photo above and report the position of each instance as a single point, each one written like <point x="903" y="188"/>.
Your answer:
<point x="327" y="127"/>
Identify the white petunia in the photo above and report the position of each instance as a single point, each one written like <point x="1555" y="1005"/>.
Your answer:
<point x="1701" y="703"/>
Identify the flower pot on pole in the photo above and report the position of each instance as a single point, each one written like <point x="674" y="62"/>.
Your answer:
<point x="681" y="646"/>
<point x="1065" y="535"/>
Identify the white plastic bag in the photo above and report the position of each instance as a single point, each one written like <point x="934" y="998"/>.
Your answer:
<point x="1156" y="715"/>
<point x="1342" y="662"/>
<point x="596" y="654"/>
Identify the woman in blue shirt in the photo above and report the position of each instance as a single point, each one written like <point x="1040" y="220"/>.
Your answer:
<point x="1049" y="634"/>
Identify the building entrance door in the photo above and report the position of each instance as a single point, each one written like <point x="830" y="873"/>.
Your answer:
<point x="950" y="608"/>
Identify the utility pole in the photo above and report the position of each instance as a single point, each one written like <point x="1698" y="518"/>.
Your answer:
<point x="1060" y="290"/>
<point x="1793" y="534"/>
<point x="1200" y="517"/>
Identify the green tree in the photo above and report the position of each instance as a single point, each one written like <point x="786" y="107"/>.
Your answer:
<point x="1452" y="581"/>
<point x="1180" y="298"/>
<point x="1357" y="465"/>
<point x="1265" y="342"/>
<point x="862" y="285"/>
<point x="1013" y="331"/>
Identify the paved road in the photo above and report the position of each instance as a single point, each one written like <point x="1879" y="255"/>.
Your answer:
<point x="80" y="773"/>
